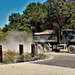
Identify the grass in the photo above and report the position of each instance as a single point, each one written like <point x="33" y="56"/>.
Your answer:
<point x="42" y="56"/>
<point x="27" y="56"/>
<point x="12" y="56"/>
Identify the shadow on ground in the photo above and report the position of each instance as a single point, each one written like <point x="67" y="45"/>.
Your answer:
<point x="59" y="61"/>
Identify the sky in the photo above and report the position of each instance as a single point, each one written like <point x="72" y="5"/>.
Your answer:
<point x="13" y="6"/>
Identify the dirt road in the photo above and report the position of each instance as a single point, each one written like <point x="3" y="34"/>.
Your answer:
<point x="31" y="68"/>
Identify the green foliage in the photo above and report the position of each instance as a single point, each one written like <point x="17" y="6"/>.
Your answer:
<point x="59" y="12"/>
<point x="34" y="14"/>
<point x="2" y="35"/>
<point x="38" y="17"/>
<point x="26" y="28"/>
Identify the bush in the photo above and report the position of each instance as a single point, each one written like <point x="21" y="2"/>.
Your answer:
<point x="41" y="56"/>
<point x="27" y="56"/>
<point x="10" y="56"/>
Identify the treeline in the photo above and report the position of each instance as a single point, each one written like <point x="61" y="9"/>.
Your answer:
<point x="38" y="17"/>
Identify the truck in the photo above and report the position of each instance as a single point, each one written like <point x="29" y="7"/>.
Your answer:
<point x="55" y="40"/>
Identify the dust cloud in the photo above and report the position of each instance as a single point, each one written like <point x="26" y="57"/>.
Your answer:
<point x="15" y="38"/>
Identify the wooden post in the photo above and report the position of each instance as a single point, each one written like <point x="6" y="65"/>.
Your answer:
<point x="1" y="54"/>
<point x="32" y="50"/>
<point x="21" y="52"/>
<point x="36" y="49"/>
<point x="20" y="49"/>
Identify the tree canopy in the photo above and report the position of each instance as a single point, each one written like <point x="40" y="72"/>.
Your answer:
<point x="38" y="17"/>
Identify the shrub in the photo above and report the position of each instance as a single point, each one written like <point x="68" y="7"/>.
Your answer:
<point x="10" y="56"/>
<point x="27" y="56"/>
<point x="41" y="56"/>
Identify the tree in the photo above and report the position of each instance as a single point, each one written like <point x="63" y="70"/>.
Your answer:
<point x="16" y="23"/>
<point x="34" y="15"/>
<point x="59" y="12"/>
<point x="14" y="18"/>
<point x="37" y="17"/>
<point x="5" y="28"/>
<point x="2" y="35"/>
